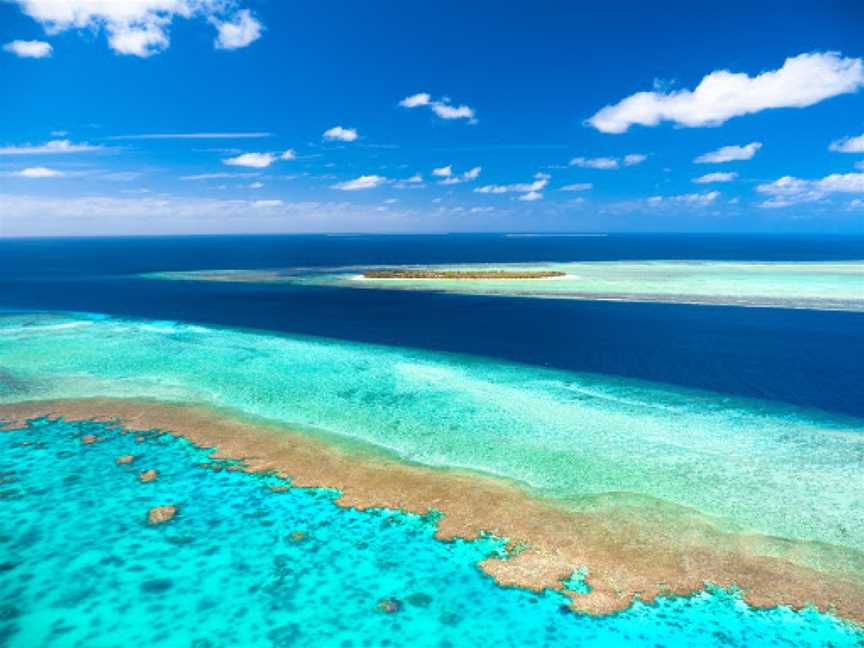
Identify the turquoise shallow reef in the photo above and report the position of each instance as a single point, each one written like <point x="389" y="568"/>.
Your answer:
<point x="820" y="286"/>
<point x="242" y="565"/>
<point x="559" y="434"/>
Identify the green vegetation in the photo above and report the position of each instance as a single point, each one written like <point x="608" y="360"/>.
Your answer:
<point x="461" y="274"/>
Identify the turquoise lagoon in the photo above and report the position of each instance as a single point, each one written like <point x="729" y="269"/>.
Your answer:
<point x="242" y="565"/>
<point x="81" y="567"/>
<point x="822" y="285"/>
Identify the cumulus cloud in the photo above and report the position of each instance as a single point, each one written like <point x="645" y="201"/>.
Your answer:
<point x="240" y="30"/>
<point x="140" y="27"/>
<point x="443" y="172"/>
<point x="848" y="145"/>
<point x="341" y="134"/>
<point x="289" y="154"/>
<point x="729" y="154"/>
<point x="802" y="81"/>
<point x="50" y="148"/>
<point x="363" y="182"/>
<point x="441" y="107"/>
<point x="631" y="159"/>
<point x="252" y="160"/>
<point x="719" y="176"/>
<point x="579" y="186"/>
<point x="789" y="190"/>
<point x="29" y="49"/>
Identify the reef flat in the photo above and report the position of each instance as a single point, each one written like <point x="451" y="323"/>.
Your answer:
<point x="653" y="490"/>
<point x="808" y="285"/>
<point x="403" y="273"/>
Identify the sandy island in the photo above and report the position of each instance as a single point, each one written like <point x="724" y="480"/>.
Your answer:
<point x="631" y="546"/>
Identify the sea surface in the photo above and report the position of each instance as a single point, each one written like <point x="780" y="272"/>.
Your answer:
<point x="752" y="416"/>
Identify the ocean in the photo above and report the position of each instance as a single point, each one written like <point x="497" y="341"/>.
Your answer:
<point x="718" y="428"/>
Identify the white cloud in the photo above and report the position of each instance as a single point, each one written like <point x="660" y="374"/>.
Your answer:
<point x="256" y="185"/>
<point x="716" y="177"/>
<point x="540" y="182"/>
<point x="848" y="145"/>
<point x="595" y="163"/>
<point x="443" y="108"/>
<point x="288" y="154"/>
<point x="419" y="99"/>
<point x="218" y="176"/>
<point x="29" y="49"/>
<point x="443" y="172"/>
<point x="170" y="136"/>
<point x="729" y="154"/>
<point x="531" y="196"/>
<point x="341" y="134"/>
<point x="252" y="160"/>
<point x="789" y="190"/>
<point x="691" y="199"/>
<point x="267" y="203"/>
<point x="414" y="182"/>
<point x="579" y="186"/>
<point x="140" y="27"/>
<point x="632" y="159"/>
<point x="240" y="30"/>
<point x="803" y="80"/>
<point x="50" y="148"/>
<point x="363" y="182"/>
<point x="468" y="176"/>
<point x="38" y="172"/>
<point x="446" y="111"/>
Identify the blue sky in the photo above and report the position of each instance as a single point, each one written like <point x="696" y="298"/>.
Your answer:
<point x="450" y="116"/>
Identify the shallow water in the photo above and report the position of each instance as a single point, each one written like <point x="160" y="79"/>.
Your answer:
<point x="81" y="567"/>
<point x="752" y="465"/>
<point x="820" y="286"/>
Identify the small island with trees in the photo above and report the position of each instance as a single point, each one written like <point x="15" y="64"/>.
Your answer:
<point x="408" y="273"/>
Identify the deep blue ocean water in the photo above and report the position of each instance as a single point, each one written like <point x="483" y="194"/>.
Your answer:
<point x="808" y="358"/>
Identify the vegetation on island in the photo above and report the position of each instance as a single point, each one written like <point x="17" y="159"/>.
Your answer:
<point x="461" y="274"/>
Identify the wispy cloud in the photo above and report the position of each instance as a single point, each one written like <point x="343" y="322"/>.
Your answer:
<point x="802" y="81"/>
<point x="218" y="176"/>
<point x="719" y="176"/>
<point x="37" y="173"/>
<point x="361" y="183"/>
<point x="531" y="189"/>
<point x="729" y="154"/>
<point x="192" y="136"/>
<point x="51" y="148"/>
<point x="608" y="162"/>
<point x="690" y="199"/>
<point x="29" y="49"/>
<point x="578" y="186"/>
<point x="468" y="176"/>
